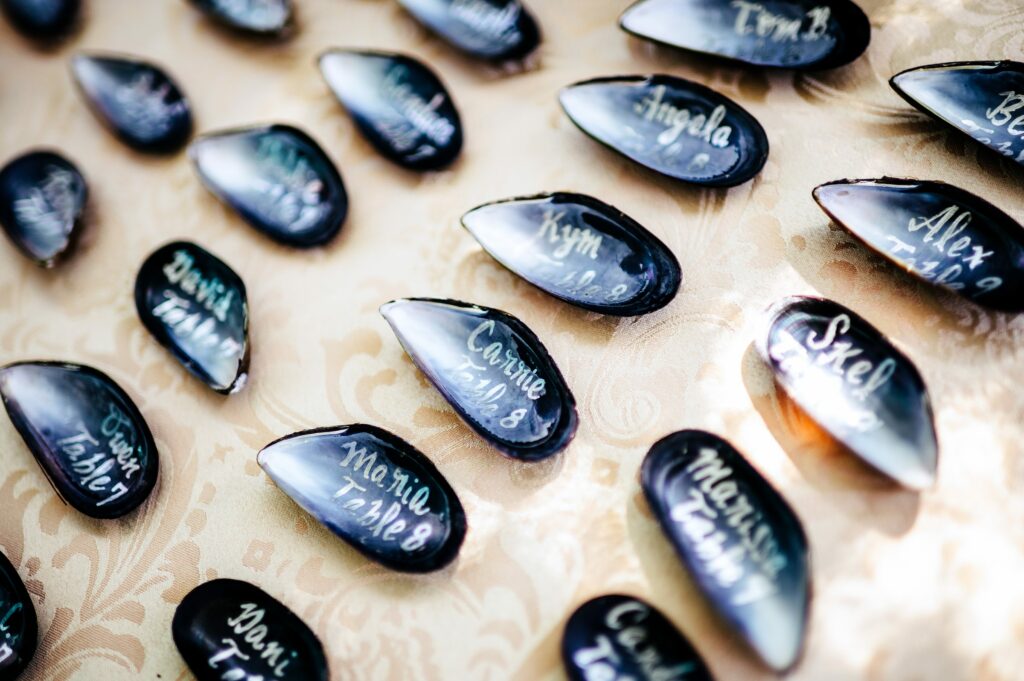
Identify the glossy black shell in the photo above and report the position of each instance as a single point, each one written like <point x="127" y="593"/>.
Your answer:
<point x="982" y="99"/>
<point x="265" y="18"/>
<point x="226" y="628"/>
<point x="19" y="631"/>
<point x="41" y="20"/>
<point x="791" y="34"/>
<point x="580" y="250"/>
<point x="42" y="199"/>
<point x="277" y="178"/>
<point x="196" y="307"/>
<point x="398" y="104"/>
<point x="737" y="536"/>
<point x="622" y="637"/>
<point x="939" y="233"/>
<point x="136" y="100"/>
<point x="374" y="490"/>
<point x="63" y="412"/>
<point x="492" y="369"/>
<point x="497" y="30"/>
<point x="855" y="384"/>
<point x="670" y="125"/>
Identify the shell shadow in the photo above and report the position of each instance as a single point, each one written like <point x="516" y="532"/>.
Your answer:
<point x="824" y="462"/>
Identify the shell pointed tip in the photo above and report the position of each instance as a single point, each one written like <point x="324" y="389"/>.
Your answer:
<point x="386" y="308"/>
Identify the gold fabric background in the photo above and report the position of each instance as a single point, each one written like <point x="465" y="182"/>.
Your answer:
<point x="906" y="586"/>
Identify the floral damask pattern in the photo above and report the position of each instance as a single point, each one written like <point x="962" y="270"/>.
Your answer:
<point x="906" y="586"/>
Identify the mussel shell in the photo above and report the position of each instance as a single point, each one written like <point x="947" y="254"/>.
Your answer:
<point x="277" y="178"/>
<point x="42" y="198"/>
<point x="398" y="104"/>
<point x="622" y="637"/>
<point x="229" y="629"/>
<point x="19" y="630"/>
<point x="855" y="384"/>
<point x="42" y="20"/>
<point x="670" y="125"/>
<point x="580" y="250"/>
<point x="498" y="30"/>
<point x="937" y="232"/>
<point x="136" y="100"/>
<point x="65" y="412"/>
<point x="791" y="34"/>
<point x="258" y="17"/>
<point x="983" y="99"/>
<point x="513" y="396"/>
<point x="196" y="307"/>
<point x="373" y="490"/>
<point x="737" y="536"/>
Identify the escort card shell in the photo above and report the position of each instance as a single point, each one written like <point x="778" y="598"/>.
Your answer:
<point x="374" y="490"/>
<point x="847" y="377"/>
<point x="277" y="179"/>
<point x="579" y="250"/>
<point x="86" y="433"/>
<point x="42" y="198"/>
<point x="498" y="30"/>
<point x="983" y="99"/>
<point x="794" y="34"/>
<point x="938" y="232"/>
<point x="196" y="307"/>
<point x="229" y="629"/>
<point x="259" y="17"/>
<point x="670" y="125"/>
<point x="42" y="20"/>
<point x="136" y="100"/>
<point x="398" y="104"/>
<point x="739" y="539"/>
<point x="18" y="626"/>
<point x="621" y="637"/>
<point x="492" y="369"/>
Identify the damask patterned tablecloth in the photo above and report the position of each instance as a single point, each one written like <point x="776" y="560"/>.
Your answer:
<point x="906" y="586"/>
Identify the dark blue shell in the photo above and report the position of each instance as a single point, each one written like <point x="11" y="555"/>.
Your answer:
<point x="42" y="198"/>
<point x="497" y="30"/>
<point x="229" y="629"/>
<point x="18" y="628"/>
<point x="136" y="100"/>
<point x="739" y="539"/>
<point x="793" y="34"/>
<point x="937" y="232"/>
<point x="579" y="250"/>
<point x="277" y="178"/>
<point x="398" y="104"/>
<point x="672" y="126"/>
<point x="42" y="20"/>
<point x="85" y="432"/>
<point x="265" y="17"/>
<point x="621" y="637"/>
<point x="983" y="99"/>
<point x="196" y="307"/>
<point x="855" y="384"/>
<point x="374" y="490"/>
<point x="492" y="369"/>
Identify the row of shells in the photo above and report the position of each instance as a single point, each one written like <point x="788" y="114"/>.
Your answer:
<point x="739" y="538"/>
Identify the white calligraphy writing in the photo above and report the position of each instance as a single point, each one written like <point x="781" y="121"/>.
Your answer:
<point x="679" y="120"/>
<point x="754" y="19"/>
<point x="386" y="525"/>
<point x="95" y="464"/>
<point x="600" y="662"/>
<point x="729" y="533"/>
